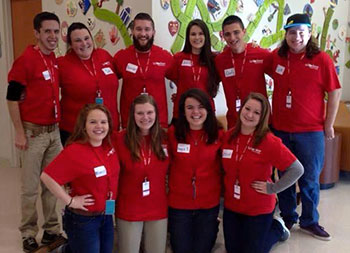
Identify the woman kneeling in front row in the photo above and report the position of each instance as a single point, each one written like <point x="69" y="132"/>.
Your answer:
<point x="249" y="153"/>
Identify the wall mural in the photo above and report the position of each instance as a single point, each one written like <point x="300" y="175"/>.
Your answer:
<point x="328" y="32"/>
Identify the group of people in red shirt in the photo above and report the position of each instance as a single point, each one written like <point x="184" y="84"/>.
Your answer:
<point x="156" y="178"/>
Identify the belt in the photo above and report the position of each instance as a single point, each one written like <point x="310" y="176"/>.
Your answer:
<point x="39" y="129"/>
<point x="84" y="213"/>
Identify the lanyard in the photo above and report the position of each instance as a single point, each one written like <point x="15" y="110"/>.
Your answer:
<point x="242" y="68"/>
<point x="195" y="77"/>
<point x="93" y="73"/>
<point x="238" y="158"/>
<point x="146" y="160"/>
<point x="143" y="73"/>
<point x="288" y="71"/>
<point x="102" y="161"/>
<point x="52" y="79"/>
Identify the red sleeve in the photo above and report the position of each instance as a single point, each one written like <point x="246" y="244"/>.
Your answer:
<point x="18" y="71"/>
<point x="281" y="156"/>
<point x="117" y="61"/>
<point x="329" y="75"/>
<point x="172" y="72"/>
<point x="63" y="168"/>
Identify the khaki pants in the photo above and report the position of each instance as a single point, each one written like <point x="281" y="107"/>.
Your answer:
<point x="129" y="235"/>
<point x="42" y="149"/>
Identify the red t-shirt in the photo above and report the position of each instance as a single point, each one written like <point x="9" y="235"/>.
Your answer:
<point x="151" y="76"/>
<point x="79" y="165"/>
<point x="238" y="80"/>
<point x="308" y="81"/>
<point x="194" y="158"/>
<point x="34" y="71"/>
<point x="79" y="85"/>
<point x="186" y="73"/>
<point x="256" y="165"/>
<point x="132" y="205"/>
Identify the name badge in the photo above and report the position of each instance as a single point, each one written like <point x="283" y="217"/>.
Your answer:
<point x="110" y="207"/>
<point x="146" y="188"/>
<point x="107" y="71"/>
<point x="46" y="75"/>
<point x="100" y="171"/>
<point x="183" y="148"/>
<point x="131" y="68"/>
<point x="165" y="150"/>
<point x="237" y="191"/>
<point x="280" y="69"/>
<point x="230" y="72"/>
<point x="187" y="63"/>
<point x="227" y="153"/>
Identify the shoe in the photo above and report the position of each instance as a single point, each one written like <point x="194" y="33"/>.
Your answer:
<point x="285" y="231"/>
<point x="316" y="231"/>
<point x="289" y="224"/>
<point x="51" y="238"/>
<point x="29" y="244"/>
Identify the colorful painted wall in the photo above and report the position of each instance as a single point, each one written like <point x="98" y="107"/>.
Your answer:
<point x="264" y="19"/>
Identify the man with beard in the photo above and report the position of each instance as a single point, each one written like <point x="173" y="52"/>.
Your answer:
<point x="142" y="67"/>
<point x="33" y="103"/>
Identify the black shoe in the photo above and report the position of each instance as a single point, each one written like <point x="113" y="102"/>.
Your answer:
<point x="50" y="238"/>
<point x="29" y="244"/>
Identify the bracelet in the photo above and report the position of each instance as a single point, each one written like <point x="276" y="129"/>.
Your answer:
<point x="70" y="202"/>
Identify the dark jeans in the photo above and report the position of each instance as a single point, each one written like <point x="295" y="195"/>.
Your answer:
<point x="193" y="231"/>
<point x="64" y="136"/>
<point x="250" y="234"/>
<point x="309" y="148"/>
<point x="88" y="234"/>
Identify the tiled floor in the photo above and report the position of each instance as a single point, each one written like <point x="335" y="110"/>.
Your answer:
<point x="334" y="211"/>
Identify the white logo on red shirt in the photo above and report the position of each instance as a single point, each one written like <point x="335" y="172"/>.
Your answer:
<point x="111" y="152"/>
<point x="158" y="63"/>
<point x="106" y="63"/>
<point x="311" y="66"/>
<point x="255" y="150"/>
<point x="257" y="61"/>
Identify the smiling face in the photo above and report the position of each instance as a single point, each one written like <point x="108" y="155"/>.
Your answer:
<point x="96" y="127"/>
<point x="47" y="36"/>
<point x="195" y="113"/>
<point x="145" y="116"/>
<point x="250" y="115"/>
<point x="297" y="38"/>
<point x="143" y="34"/>
<point x="233" y="35"/>
<point x="197" y="39"/>
<point x="81" y="43"/>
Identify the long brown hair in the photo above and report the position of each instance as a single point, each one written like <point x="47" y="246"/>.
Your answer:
<point x="210" y="125"/>
<point x="206" y="57"/>
<point x="79" y="134"/>
<point x="263" y="125"/>
<point x="133" y="137"/>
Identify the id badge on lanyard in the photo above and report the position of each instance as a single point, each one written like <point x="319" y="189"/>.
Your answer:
<point x="238" y="104"/>
<point x="146" y="188"/>
<point x="99" y="98"/>
<point x="237" y="190"/>
<point x="110" y="205"/>
<point x="289" y="100"/>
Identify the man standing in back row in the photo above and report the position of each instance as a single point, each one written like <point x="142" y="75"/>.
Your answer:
<point x="303" y="74"/>
<point x="143" y="67"/>
<point x="241" y="67"/>
<point x="33" y="103"/>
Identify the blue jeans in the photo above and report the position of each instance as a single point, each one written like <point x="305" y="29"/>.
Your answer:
<point x="309" y="148"/>
<point x="250" y="234"/>
<point x="88" y="234"/>
<point x="193" y="231"/>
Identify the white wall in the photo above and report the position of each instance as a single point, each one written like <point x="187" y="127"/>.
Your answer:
<point x="7" y="149"/>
